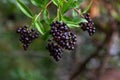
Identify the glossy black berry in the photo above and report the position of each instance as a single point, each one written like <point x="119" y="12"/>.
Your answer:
<point x="27" y="36"/>
<point x="62" y="38"/>
<point x="55" y="50"/>
<point x="63" y="35"/>
<point x="89" y="26"/>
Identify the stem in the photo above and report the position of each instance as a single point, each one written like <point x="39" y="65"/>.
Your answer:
<point x="55" y="18"/>
<point x="38" y="15"/>
<point x="58" y="14"/>
<point x="76" y="10"/>
<point x="47" y="7"/>
<point x="42" y="11"/>
<point x="36" y="18"/>
<point x="48" y="4"/>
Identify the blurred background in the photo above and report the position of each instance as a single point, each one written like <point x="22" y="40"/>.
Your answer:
<point x="95" y="58"/>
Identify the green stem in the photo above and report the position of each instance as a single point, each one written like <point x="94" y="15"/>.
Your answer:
<point x="41" y="12"/>
<point x="38" y="15"/>
<point x="36" y="18"/>
<point x="43" y="9"/>
<point x="59" y="15"/>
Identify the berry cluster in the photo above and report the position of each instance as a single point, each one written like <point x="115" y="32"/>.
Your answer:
<point x="89" y="25"/>
<point x="55" y="50"/>
<point x="27" y="36"/>
<point x="63" y="36"/>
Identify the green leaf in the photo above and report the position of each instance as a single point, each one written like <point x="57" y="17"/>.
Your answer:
<point x="74" y="13"/>
<point x="59" y="14"/>
<point x="56" y="2"/>
<point x="77" y="3"/>
<point x="36" y="2"/>
<point x="46" y="35"/>
<point x="39" y="26"/>
<point x="45" y="16"/>
<point x="70" y="4"/>
<point x="87" y="8"/>
<point x="70" y="25"/>
<point x="24" y="9"/>
<point x="67" y="6"/>
<point x="73" y="22"/>
<point x="61" y="3"/>
<point x="40" y="3"/>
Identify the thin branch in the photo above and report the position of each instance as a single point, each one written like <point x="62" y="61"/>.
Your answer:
<point x="76" y="10"/>
<point x="38" y="15"/>
<point x="43" y="10"/>
<point x="49" y="4"/>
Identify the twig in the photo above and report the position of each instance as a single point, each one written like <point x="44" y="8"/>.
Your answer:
<point x="48" y="4"/>
<point x="76" y="10"/>
<point x="43" y="10"/>
<point x="38" y="15"/>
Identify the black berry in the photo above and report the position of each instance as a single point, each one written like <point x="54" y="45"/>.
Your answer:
<point x="27" y="36"/>
<point x="89" y="26"/>
<point x="63" y="37"/>
<point x="55" y="50"/>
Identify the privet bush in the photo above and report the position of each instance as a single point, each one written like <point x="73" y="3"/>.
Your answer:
<point x="57" y="30"/>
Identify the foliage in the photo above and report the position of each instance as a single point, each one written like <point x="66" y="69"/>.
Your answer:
<point x="63" y="6"/>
